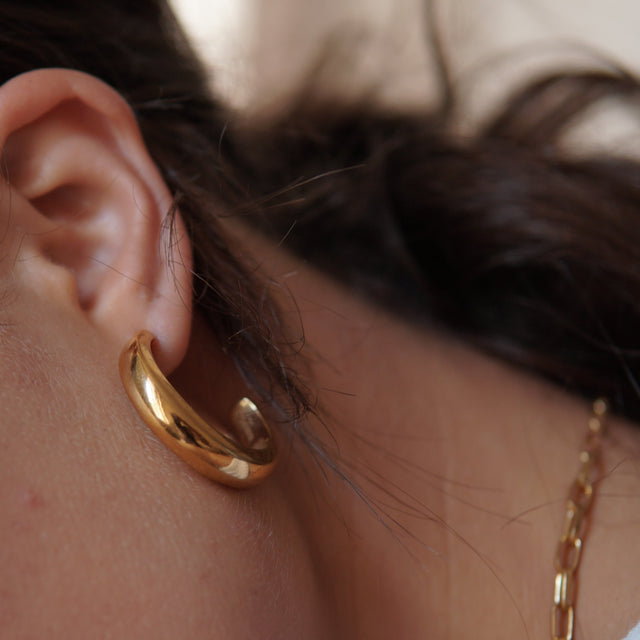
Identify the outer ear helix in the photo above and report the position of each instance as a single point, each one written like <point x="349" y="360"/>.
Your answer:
<point x="204" y="447"/>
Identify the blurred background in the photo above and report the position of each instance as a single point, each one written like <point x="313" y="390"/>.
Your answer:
<point x="259" y="49"/>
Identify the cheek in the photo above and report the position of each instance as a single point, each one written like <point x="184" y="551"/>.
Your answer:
<point x="105" y="533"/>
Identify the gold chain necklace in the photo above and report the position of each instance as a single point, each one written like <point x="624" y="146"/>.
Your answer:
<point x="578" y="507"/>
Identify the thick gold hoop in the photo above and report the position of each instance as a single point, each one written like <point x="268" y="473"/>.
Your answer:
<point x="236" y="463"/>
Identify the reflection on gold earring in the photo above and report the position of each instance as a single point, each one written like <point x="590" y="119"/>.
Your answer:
<point x="237" y="463"/>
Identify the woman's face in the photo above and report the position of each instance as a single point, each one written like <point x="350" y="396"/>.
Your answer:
<point x="104" y="533"/>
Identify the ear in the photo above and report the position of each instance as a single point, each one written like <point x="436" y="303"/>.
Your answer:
<point x="90" y="203"/>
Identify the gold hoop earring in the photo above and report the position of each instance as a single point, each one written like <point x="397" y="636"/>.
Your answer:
<point x="202" y="446"/>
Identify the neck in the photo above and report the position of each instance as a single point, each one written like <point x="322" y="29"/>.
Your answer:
<point x="456" y="469"/>
<point x="464" y="463"/>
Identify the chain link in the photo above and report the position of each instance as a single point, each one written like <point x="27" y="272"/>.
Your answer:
<point x="578" y="505"/>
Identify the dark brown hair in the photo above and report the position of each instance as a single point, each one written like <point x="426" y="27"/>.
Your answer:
<point x="500" y="237"/>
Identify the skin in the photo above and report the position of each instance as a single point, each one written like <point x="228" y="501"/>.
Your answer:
<point x="106" y="534"/>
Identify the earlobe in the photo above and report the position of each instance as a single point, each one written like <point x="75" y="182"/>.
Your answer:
<point x="89" y="198"/>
